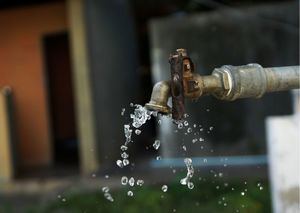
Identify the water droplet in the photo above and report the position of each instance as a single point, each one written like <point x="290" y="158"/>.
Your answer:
<point x="131" y="181"/>
<point x="64" y="200"/>
<point x="190" y="185"/>
<point x="106" y="176"/>
<point x="225" y="204"/>
<point x="190" y="171"/>
<point x="164" y="188"/>
<point x="137" y="132"/>
<point x="183" y="181"/>
<point x="201" y="139"/>
<point x="179" y="126"/>
<point x="124" y="148"/>
<point x="124" y="180"/>
<point x="217" y="187"/>
<point x="105" y="189"/>
<point x="58" y="196"/>
<point x="158" y="158"/>
<point x="93" y="175"/>
<point x="156" y="144"/>
<point x="207" y="110"/>
<point x="124" y="155"/>
<point x="159" y="122"/>
<point x="211" y="128"/>
<point x="130" y="193"/>
<point x="205" y="160"/>
<point x="185" y="115"/>
<point x="184" y="148"/>
<point x="201" y="129"/>
<point x="220" y="174"/>
<point x="174" y="171"/>
<point x="139" y="182"/>
<point x="242" y="193"/>
<point x="195" y="125"/>
<point x="123" y="111"/>
<point x="119" y="163"/>
<point x="131" y="104"/>
<point x="194" y="140"/>
<point x="186" y="123"/>
<point x="261" y="188"/>
<point x="127" y="133"/>
<point x="125" y="162"/>
<point x="189" y="130"/>
<point x="108" y="197"/>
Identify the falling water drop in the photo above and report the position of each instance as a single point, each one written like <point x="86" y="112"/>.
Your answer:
<point x="120" y="163"/>
<point x="164" y="188"/>
<point x="125" y="162"/>
<point x="130" y="193"/>
<point x="190" y="185"/>
<point x="139" y="182"/>
<point x="124" y="180"/>
<point x="124" y="148"/>
<point x="131" y="181"/>
<point x="156" y="144"/>
<point x="137" y="132"/>
<point x="180" y="125"/>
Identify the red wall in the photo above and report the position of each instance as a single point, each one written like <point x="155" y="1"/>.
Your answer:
<point x="22" y="68"/>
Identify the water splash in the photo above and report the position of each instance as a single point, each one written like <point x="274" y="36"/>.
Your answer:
<point x="189" y="175"/>
<point x="140" y="116"/>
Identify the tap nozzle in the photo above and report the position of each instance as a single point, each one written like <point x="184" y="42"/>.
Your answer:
<point x="159" y="98"/>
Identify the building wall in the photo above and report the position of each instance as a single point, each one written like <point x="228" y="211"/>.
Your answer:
<point x="22" y="68"/>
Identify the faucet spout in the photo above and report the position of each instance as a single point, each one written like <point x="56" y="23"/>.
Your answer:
<point x="159" y="98"/>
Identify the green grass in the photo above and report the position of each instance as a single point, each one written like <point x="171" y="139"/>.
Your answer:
<point x="205" y="197"/>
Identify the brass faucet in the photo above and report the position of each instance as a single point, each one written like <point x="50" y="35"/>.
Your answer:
<point x="226" y="83"/>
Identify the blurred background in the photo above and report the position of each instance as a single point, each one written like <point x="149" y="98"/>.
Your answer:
<point x="69" y="67"/>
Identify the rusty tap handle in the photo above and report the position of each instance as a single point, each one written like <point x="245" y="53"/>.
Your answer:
<point x="177" y="89"/>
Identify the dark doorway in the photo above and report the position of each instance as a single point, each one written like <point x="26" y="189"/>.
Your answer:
<point x="61" y="100"/>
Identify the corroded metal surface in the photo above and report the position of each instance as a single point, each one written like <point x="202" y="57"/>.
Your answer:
<point x="177" y="90"/>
